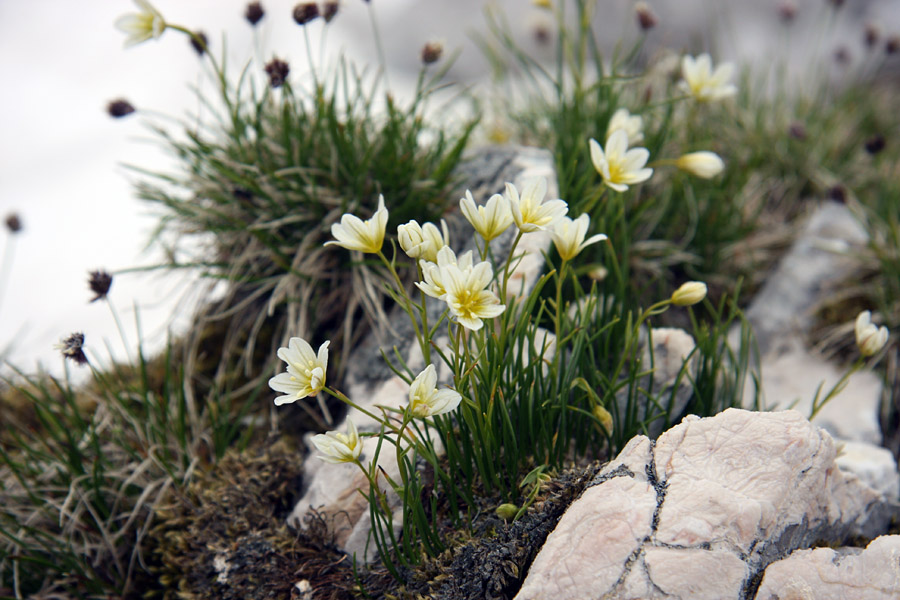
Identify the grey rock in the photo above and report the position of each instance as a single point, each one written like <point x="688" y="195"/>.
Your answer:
<point x="704" y="510"/>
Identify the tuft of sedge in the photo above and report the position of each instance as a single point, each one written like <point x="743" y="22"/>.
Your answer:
<point x="72" y="348"/>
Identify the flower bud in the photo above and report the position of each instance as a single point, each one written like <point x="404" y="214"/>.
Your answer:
<point x="605" y="418"/>
<point x="869" y="338"/>
<point x="645" y="16"/>
<point x="702" y="164"/>
<point x="507" y="511"/>
<point x="689" y="293"/>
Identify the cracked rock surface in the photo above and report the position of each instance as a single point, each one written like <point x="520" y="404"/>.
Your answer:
<point x="826" y="574"/>
<point x="704" y="510"/>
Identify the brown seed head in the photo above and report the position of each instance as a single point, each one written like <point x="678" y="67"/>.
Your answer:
<point x="199" y="42"/>
<point x="254" y="13"/>
<point x="646" y="18"/>
<point x="836" y="3"/>
<point x="73" y="347"/>
<point x="797" y="131"/>
<point x="99" y="282"/>
<point x="842" y="56"/>
<point x="542" y="34"/>
<point x="875" y="144"/>
<point x="329" y="10"/>
<point x="306" y="12"/>
<point x="892" y="45"/>
<point x="13" y="223"/>
<point x="838" y="193"/>
<point x="278" y="71"/>
<point x="119" y="108"/>
<point x="431" y="52"/>
<point x="787" y="10"/>
<point x="872" y="35"/>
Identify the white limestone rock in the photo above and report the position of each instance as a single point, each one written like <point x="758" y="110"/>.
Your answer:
<point x="826" y="574"/>
<point x="700" y="513"/>
<point x="782" y="314"/>
<point x="875" y="466"/>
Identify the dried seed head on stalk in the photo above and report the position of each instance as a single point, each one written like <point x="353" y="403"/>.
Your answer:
<point x="277" y="70"/>
<point x="254" y="13"/>
<point x="119" y="108"/>
<point x="13" y="223"/>
<point x="306" y="12"/>
<point x="99" y="281"/>
<point x="73" y="347"/>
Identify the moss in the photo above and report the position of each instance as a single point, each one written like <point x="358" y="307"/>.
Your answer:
<point x="225" y="537"/>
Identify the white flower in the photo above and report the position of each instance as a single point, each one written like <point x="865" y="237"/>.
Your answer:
<point x="703" y="164"/>
<point x="305" y="371"/>
<point x="704" y="84"/>
<point x="689" y="293"/>
<point x="434" y="282"/>
<point x="366" y="236"/>
<point x="632" y="124"/>
<point x="339" y="447"/>
<point x="422" y="241"/>
<point x="141" y="26"/>
<point x="489" y="220"/>
<point x="467" y="297"/>
<point x="425" y="400"/>
<point x="530" y="212"/>
<point x="869" y="338"/>
<point x="568" y="236"/>
<point x="618" y="166"/>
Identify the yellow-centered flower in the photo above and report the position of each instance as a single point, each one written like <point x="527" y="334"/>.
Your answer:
<point x="423" y="241"/>
<point x="339" y="447"/>
<point x="633" y="125"/>
<point x="434" y="282"/>
<point x="366" y="236"/>
<point x="489" y="220"/>
<point x="467" y="297"/>
<point x="568" y="236"/>
<point x="305" y="371"/>
<point x="869" y="338"/>
<point x="530" y="211"/>
<point x="689" y="293"/>
<point x="703" y="164"/>
<point x="704" y="83"/>
<point x="425" y="400"/>
<point x="618" y="166"/>
<point x="141" y="26"/>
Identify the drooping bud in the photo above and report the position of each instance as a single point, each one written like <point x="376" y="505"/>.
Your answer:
<point x="705" y="164"/>
<point x="689" y="293"/>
